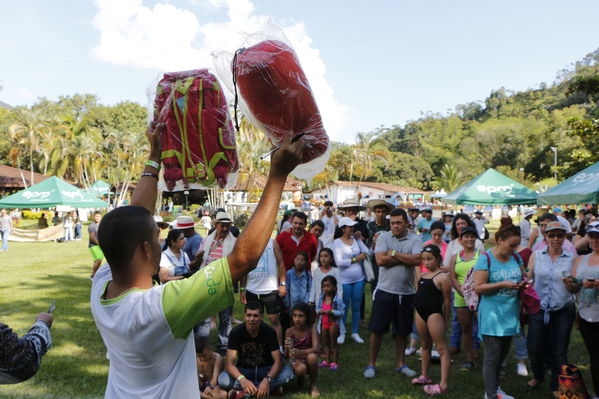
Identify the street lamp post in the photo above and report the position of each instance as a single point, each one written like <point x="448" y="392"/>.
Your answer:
<point x="554" y="149"/>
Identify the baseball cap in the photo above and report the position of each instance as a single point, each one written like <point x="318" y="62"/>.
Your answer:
<point x="554" y="226"/>
<point x="345" y="221"/>
<point x="469" y="229"/>
<point x="592" y="228"/>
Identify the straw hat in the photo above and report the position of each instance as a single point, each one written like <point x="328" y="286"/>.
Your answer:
<point x="374" y="203"/>
<point x="351" y="203"/>
<point x="184" y="222"/>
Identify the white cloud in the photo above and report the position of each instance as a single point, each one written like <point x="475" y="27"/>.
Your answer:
<point x="15" y="96"/>
<point x="169" y="38"/>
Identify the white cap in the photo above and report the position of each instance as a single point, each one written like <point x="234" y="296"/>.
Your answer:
<point x="345" y="221"/>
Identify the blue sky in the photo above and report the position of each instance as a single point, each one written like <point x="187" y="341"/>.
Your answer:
<point x="370" y="63"/>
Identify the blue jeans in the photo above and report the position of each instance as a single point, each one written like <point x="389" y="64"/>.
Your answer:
<point x="553" y="337"/>
<point x="224" y="328"/>
<point x="4" y="234"/>
<point x="520" y="343"/>
<point x="352" y="295"/>
<point x="255" y="375"/>
<point x="455" y="339"/>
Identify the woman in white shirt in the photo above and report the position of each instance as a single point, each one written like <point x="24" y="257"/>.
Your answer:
<point x="460" y="221"/>
<point x="349" y="253"/>
<point x="174" y="263"/>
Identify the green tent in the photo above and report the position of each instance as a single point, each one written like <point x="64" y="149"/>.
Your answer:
<point x="492" y="188"/>
<point x="582" y="188"/>
<point x="49" y="193"/>
<point x="99" y="188"/>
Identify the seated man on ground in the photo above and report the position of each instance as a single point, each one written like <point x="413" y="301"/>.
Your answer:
<point x="259" y="369"/>
<point x="210" y="364"/>
<point x="147" y="328"/>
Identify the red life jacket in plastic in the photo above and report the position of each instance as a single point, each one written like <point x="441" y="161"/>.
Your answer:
<point x="199" y="143"/>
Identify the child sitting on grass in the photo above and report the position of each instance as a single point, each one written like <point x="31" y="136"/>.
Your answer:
<point x="210" y="364"/>
<point x="330" y="313"/>
<point x="432" y="303"/>
<point x="301" y="346"/>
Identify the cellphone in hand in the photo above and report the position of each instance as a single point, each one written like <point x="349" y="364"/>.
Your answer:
<point x="591" y="280"/>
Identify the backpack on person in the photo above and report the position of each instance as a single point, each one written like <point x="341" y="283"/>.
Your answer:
<point x="470" y="296"/>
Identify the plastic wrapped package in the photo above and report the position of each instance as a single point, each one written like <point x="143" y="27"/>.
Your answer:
<point x="198" y="147"/>
<point x="275" y="95"/>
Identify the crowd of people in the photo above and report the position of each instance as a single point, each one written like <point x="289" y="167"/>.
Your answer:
<point x="155" y="301"/>
<point x="311" y="282"/>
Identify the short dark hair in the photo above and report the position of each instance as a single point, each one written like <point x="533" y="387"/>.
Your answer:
<point x="300" y="215"/>
<point x="304" y="254"/>
<point x="201" y="343"/>
<point x="399" y="212"/>
<point x="254" y="305"/>
<point x="318" y="223"/>
<point x="121" y="231"/>
<point x="97" y="213"/>
<point x="438" y="226"/>
<point x="331" y="279"/>
<point x="328" y="203"/>
<point x="305" y="309"/>
<point x="171" y="237"/>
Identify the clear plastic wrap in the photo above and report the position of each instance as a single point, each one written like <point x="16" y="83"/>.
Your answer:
<point x="198" y="147"/>
<point x="275" y="95"/>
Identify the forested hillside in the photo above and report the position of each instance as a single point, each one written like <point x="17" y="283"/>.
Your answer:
<point x="82" y="140"/>
<point x="510" y="131"/>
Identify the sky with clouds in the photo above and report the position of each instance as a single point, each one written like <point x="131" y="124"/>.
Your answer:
<point x="369" y="63"/>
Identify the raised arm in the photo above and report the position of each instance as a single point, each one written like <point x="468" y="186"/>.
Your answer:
<point x="253" y="239"/>
<point x="146" y="192"/>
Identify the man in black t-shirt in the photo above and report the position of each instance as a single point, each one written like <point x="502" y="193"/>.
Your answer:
<point x="259" y="369"/>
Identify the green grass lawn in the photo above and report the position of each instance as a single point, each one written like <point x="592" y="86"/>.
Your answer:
<point x="34" y="274"/>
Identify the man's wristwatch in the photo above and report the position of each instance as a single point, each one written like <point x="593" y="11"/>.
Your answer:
<point x="269" y="379"/>
<point x="282" y="284"/>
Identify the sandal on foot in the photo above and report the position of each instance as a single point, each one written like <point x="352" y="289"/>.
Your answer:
<point x="422" y="380"/>
<point x="433" y="390"/>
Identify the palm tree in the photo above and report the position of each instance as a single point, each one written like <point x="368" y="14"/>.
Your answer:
<point x="450" y="178"/>
<point x="369" y="148"/>
<point x="26" y="133"/>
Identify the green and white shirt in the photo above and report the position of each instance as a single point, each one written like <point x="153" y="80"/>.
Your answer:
<point x="148" y="333"/>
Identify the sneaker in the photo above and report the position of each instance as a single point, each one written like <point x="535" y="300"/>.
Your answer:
<point x="435" y="354"/>
<point x="334" y="366"/>
<point x="356" y="337"/>
<point x="405" y="370"/>
<point x="521" y="370"/>
<point x="419" y="352"/>
<point x="468" y="366"/>
<point x="370" y="372"/>
<point x="341" y="339"/>
<point x="410" y="350"/>
<point x="323" y="364"/>
<point x="502" y="395"/>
